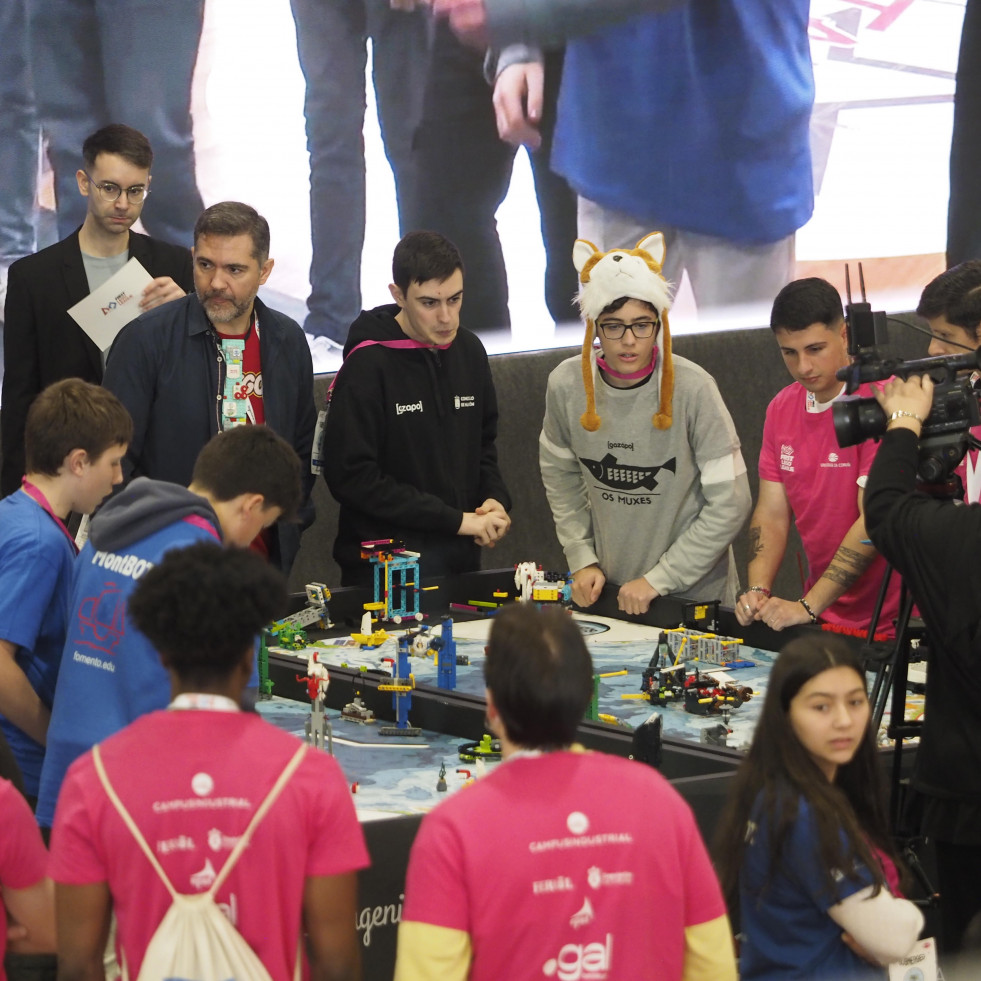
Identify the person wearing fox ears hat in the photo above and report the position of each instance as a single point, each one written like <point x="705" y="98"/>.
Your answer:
<point x="639" y="456"/>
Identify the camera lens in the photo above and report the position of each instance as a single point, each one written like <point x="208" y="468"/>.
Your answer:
<point x="857" y="419"/>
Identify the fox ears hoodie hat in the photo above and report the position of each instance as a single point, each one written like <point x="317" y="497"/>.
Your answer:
<point x="608" y="276"/>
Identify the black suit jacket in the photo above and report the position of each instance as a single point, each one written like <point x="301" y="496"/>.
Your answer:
<point x="41" y="342"/>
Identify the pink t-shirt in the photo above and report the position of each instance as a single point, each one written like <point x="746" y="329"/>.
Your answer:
<point x="23" y="858"/>
<point x="821" y="479"/>
<point x="192" y="779"/>
<point x="970" y="472"/>
<point x="565" y="865"/>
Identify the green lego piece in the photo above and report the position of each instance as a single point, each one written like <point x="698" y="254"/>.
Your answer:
<point x="592" y="713"/>
<point x="265" y="682"/>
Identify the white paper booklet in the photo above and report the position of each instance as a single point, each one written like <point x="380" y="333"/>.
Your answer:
<point x="108" y="309"/>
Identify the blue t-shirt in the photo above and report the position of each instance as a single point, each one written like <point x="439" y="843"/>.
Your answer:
<point x="35" y="579"/>
<point x="787" y="932"/>
<point x="111" y="674"/>
<point x="697" y="118"/>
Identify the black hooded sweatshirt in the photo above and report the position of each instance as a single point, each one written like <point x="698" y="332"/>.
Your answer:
<point x="409" y="446"/>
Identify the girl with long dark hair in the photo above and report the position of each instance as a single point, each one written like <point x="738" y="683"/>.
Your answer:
<point x="803" y="845"/>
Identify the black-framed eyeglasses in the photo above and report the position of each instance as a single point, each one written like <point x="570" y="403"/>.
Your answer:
<point x="110" y="191"/>
<point x="613" y="330"/>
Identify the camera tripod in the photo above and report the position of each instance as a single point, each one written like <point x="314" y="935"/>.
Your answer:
<point x="889" y="688"/>
<point x="891" y="670"/>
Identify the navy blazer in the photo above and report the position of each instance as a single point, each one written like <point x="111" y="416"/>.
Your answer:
<point x="41" y="342"/>
<point x="166" y="368"/>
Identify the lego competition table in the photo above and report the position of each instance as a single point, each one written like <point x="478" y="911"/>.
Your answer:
<point x="395" y="779"/>
<point x="398" y="774"/>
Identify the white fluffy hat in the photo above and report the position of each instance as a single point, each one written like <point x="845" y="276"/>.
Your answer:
<point x="608" y="276"/>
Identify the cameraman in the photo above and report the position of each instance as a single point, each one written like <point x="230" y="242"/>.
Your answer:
<point x="951" y="305"/>
<point x="936" y="546"/>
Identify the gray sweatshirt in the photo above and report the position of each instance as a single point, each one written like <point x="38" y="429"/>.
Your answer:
<point x="639" y="501"/>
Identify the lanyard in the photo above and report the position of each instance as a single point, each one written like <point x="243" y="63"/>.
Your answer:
<point x="406" y="343"/>
<point x="236" y="411"/>
<point x="633" y="375"/>
<point x="32" y="491"/>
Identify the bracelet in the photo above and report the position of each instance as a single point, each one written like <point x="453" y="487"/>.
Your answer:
<point x="904" y="414"/>
<point x="758" y="589"/>
<point x="807" y="606"/>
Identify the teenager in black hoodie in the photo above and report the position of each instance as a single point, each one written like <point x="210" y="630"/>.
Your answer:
<point x="409" y="445"/>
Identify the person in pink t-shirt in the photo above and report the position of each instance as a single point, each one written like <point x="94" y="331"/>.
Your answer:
<point x="27" y="894"/>
<point x="807" y="476"/>
<point x="559" y="863"/>
<point x="212" y="765"/>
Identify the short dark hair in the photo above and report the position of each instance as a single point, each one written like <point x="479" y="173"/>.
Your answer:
<point x="955" y="295"/>
<point x="73" y="415"/>
<point x="540" y="674"/>
<point x="804" y="302"/>
<point x="202" y="606"/>
<point x="229" y="218"/>
<point x="422" y="256"/>
<point x="124" y="141"/>
<point x="250" y="460"/>
<point x="621" y="301"/>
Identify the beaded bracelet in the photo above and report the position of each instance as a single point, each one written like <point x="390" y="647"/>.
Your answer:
<point x="807" y="606"/>
<point x="758" y="589"/>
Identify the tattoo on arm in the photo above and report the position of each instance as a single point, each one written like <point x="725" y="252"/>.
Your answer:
<point x="841" y="576"/>
<point x="847" y="566"/>
<point x="755" y="540"/>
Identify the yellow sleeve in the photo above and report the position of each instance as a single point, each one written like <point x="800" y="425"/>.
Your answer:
<point x="432" y="953"/>
<point x="709" y="952"/>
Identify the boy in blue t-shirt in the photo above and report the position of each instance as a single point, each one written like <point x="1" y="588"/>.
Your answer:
<point x="245" y="479"/>
<point x="75" y="438"/>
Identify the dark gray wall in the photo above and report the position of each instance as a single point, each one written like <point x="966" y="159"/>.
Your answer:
<point x="748" y="368"/>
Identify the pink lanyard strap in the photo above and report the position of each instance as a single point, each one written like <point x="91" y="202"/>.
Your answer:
<point x="633" y="375"/>
<point x="204" y="524"/>
<point x="32" y="491"/>
<point x="408" y="342"/>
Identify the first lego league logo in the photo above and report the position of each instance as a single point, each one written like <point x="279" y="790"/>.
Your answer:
<point x="122" y="298"/>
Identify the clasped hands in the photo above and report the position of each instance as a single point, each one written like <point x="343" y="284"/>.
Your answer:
<point x="487" y="525"/>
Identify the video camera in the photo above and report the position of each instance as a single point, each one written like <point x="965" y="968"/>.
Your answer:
<point x="945" y="436"/>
